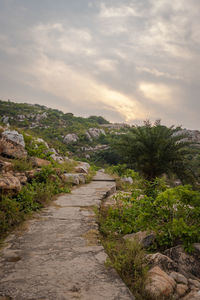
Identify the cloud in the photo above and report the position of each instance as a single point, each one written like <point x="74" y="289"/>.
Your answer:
<point x="128" y="60"/>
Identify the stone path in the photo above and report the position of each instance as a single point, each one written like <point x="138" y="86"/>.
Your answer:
<point x="59" y="256"/>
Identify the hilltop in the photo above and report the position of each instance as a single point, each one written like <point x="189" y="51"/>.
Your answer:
<point x="64" y="131"/>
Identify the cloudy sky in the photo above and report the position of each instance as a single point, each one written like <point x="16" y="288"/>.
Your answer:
<point x="127" y="60"/>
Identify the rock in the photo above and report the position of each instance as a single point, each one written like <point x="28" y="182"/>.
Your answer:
<point x="31" y="174"/>
<point x="145" y="238"/>
<point x="5" y="166"/>
<point x="12" y="144"/>
<point x="71" y="138"/>
<point x="59" y="159"/>
<point x="128" y="180"/>
<point x="194" y="284"/>
<point x="194" y="295"/>
<point x="53" y="151"/>
<point x="181" y="290"/>
<point x="40" y="117"/>
<point x="102" y="170"/>
<point x="39" y="140"/>
<point x="179" y="278"/>
<point x="5" y="119"/>
<point x="188" y="265"/>
<point x="81" y="178"/>
<point x="14" y="136"/>
<point x="159" y="284"/>
<point x="9" y="182"/>
<point x="39" y="162"/>
<point x="94" y="133"/>
<point x="22" y="177"/>
<point x="163" y="261"/>
<point x="83" y="167"/>
<point x="71" y="178"/>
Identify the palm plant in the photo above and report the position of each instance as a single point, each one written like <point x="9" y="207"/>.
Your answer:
<point x="154" y="149"/>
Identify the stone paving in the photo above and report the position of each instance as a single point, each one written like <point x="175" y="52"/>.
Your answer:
<point x="59" y="255"/>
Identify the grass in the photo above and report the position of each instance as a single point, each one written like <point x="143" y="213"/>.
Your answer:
<point x="127" y="257"/>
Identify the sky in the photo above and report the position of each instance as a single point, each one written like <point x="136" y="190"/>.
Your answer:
<point x="126" y="60"/>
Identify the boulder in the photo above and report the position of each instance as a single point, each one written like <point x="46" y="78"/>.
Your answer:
<point x="193" y="295"/>
<point x="39" y="162"/>
<point x="12" y="144"/>
<point x="39" y="140"/>
<point x="159" y="284"/>
<point x="22" y="177"/>
<point x="94" y="133"/>
<point x="145" y="238"/>
<point x="71" y="138"/>
<point x="194" y="284"/>
<point x="71" y="178"/>
<point x="179" y="278"/>
<point x="14" y="136"/>
<point x="5" y="166"/>
<point x="31" y="174"/>
<point x="9" y="182"/>
<point x="128" y="180"/>
<point x="81" y="178"/>
<point x="59" y="159"/>
<point x="181" y="290"/>
<point x="163" y="261"/>
<point x="188" y="264"/>
<point x="82" y="168"/>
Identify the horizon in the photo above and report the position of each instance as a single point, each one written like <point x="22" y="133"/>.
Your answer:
<point x="126" y="61"/>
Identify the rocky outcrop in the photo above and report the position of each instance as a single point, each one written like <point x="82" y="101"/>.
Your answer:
<point x="94" y="133"/>
<point x="71" y="138"/>
<point x="5" y="166"/>
<point x="71" y="178"/>
<point x="14" y="136"/>
<point x="188" y="265"/>
<point x="159" y="284"/>
<point x="83" y="167"/>
<point x="8" y="182"/>
<point x="39" y="162"/>
<point x="95" y="149"/>
<point x="12" y="144"/>
<point x="144" y="238"/>
<point x="161" y="260"/>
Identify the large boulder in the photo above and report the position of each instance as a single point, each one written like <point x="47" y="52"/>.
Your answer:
<point x="14" y="136"/>
<point x="159" y="285"/>
<point x="71" y="138"/>
<point x="8" y="182"/>
<point x="188" y="264"/>
<point x="163" y="261"/>
<point x="12" y="144"/>
<point x="94" y="133"/>
<point x="193" y="295"/>
<point x="83" y="167"/>
<point x="71" y="178"/>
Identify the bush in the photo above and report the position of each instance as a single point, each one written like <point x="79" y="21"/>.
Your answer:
<point x="173" y="214"/>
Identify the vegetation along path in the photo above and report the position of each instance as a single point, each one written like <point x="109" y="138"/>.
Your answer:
<point x="59" y="256"/>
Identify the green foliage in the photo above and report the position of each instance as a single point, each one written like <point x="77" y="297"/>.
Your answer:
<point x="21" y="165"/>
<point x="173" y="214"/>
<point x="154" y="150"/>
<point x="33" y="196"/>
<point x="35" y="148"/>
<point x="128" y="260"/>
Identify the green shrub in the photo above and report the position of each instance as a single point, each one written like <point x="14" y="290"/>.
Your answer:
<point x="21" y="165"/>
<point x="174" y="215"/>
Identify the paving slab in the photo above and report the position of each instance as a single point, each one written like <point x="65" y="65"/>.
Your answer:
<point x="59" y="256"/>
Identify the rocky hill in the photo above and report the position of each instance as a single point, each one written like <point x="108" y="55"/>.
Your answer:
<point x="63" y="131"/>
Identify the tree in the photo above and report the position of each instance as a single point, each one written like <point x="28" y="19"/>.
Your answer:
<point x="154" y="149"/>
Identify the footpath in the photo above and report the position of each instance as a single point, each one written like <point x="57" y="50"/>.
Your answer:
<point x="58" y="256"/>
